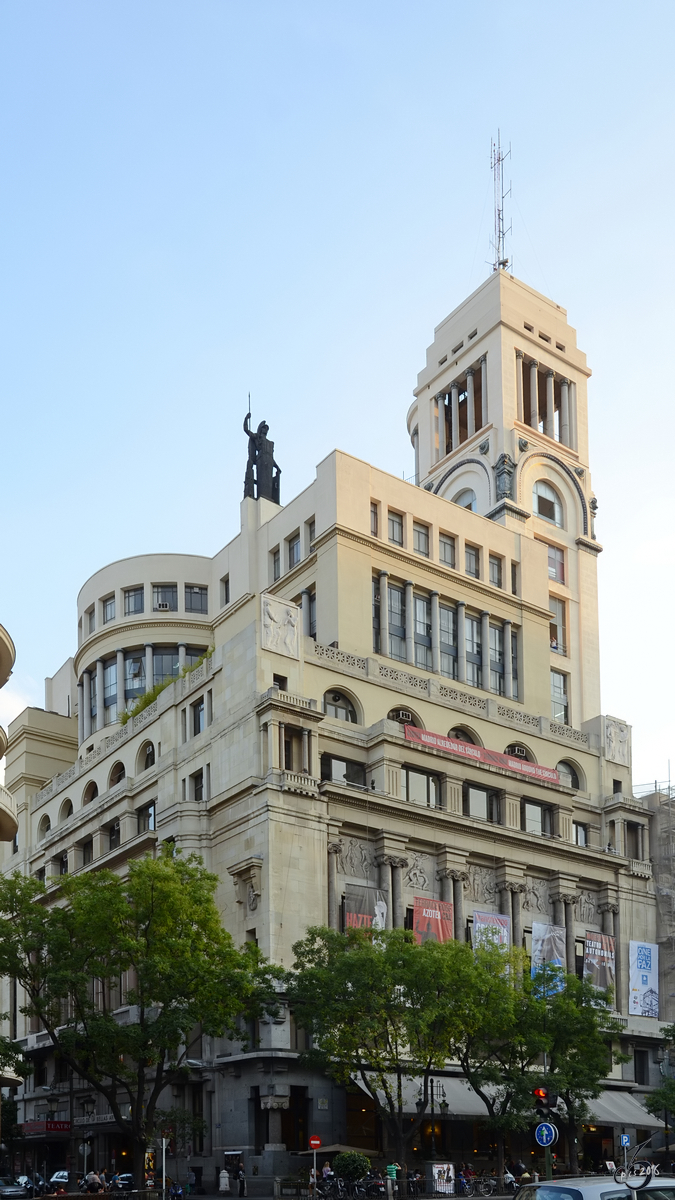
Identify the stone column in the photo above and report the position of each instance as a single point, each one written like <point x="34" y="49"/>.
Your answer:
<point x="149" y="671"/>
<point x="121" y="698"/>
<point x="618" y="951"/>
<point x="549" y="425"/>
<point x="565" y="412"/>
<point x="508" y="662"/>
<point x="80" y="713"/>
<point x="485" y="651"/>
<point x="384" y="864"/>
<point x="435" y="635"/>
<point x="100" y="694"/>
<point x="334" y="849"/>
<point x="182" y="655"/>
<point x="534" y="399"/>
<point x="569" y="901"/>
<point x="607" y="911"/>
<point x="483" y="390"/>
<point x="442" y="451"/>
<point x="409" y="623"/>
<point x="454" y="404"/>
<point x="574" y="432"/>
<point x="384" y="614"/>
<point x="517" y="890"/>
<point x="458" y="879"/>
<point x="558" y="910"/>
<point x="282" y="747"/>
<point x="398" y="914"/>
<point x="444" y="877"/>
<point x="305" y="751"/>
<point x="86" y="715"/>
<point x="306" y="600"/>
<point x="272" y="745"/>
<point x="461" y="643"/>
<point x="505" y="900"/>
<point x="470" y="406"/>
<point x="519" y="384"/>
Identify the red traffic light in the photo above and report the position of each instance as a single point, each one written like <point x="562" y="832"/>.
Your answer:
<point x="541" y="1093"/>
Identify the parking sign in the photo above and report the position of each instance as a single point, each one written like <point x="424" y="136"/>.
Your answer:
<point x="625" y="1140"/>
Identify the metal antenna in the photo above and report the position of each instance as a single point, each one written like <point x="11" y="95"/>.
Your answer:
<point x="497" y="160"/>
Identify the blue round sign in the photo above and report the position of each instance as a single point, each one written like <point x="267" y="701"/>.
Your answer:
<point x="545" y="1133"/>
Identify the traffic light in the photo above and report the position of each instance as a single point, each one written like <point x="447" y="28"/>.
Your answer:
<point x="541" y="1102"/>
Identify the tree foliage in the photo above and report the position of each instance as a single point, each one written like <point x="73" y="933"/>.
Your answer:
<point x="153" y="941"/>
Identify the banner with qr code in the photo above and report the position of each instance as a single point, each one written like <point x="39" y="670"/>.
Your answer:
<point x="643" y="996"/>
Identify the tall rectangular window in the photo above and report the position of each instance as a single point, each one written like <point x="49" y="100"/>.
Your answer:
<point x="91" y="617"/>
<point x="471" y="558"/>
<point x="110" y="691"/>
<point x="374" y="523"/>
<point x="448" y="640"/>
<point x="421" y="539"/>
<point x="146" y="818"/>
<point x="396" y="528"/>
<point x="108" y="609"/>
<point x="134" y="674"/>
<point x="133" y="601"/>
<point x="514" y="665"/>
<point x="312" y="615"/>
<point x="422" y="633"/>
<point x="536" y="818"/>
<point x="92" y="698"/>
<point x="559" y="705"/>
<point x="419" y="788"/>
<point x="114" y="835"/>
<point x="376" y="616"/>
<point x="556" y="564"/>
<point x="514" y="578"/>
<point x="293" y="551"/>
<point x="495" y="570"/>
<point x="557" y="625"/>
<point x="165" y="665"/>
<point x="198" y="717"/>
<point x="481" y="804"/>
<point x="165" y="597"/>
<point x="276" y="564"/>
<point x="311" y="534"/>
<point x="196" y="598"/>
<point x="497" y="660"/>
<point x="580" y="834"/>
<point x="224" y="591"/>
<point x="197" y="781"/>
<point x="446" y="549"/>
<point x="396" y="598"/>
<point x="473" y="651"/>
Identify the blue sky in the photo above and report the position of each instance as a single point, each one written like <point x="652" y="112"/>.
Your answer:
<point x="204" y="198"/>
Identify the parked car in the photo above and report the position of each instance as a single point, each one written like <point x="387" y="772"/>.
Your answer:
<point x="32" y="1185"/>
<point x="59" y="1179"/>
<point x="13" y="1189"/>
<point x="576" y="1187"/>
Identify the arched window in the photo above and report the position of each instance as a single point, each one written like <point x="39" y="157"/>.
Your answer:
<point x="90" y="793"/>
<point x="547" y="503"/>
<point x="568" y="775"/>
<point x="462" y="735"/>
<point x="117" y="774"/>
<point x="66" y="811"/>
<point x="466" y="499"/>
<point x="517" y="751"/>
<point x="146" y="757"/>
<point x="44" y="827"/>
<point x="336" y="704"/>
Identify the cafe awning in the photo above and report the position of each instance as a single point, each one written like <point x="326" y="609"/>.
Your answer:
<point x="622" y="1108"/>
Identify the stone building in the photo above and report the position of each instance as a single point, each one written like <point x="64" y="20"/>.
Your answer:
<point x="402" y="705"/>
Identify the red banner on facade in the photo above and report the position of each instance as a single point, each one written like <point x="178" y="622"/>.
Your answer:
<point x="477" y="754"/>
<point x="432" y="921"/>
<point x="29" y="1127"/>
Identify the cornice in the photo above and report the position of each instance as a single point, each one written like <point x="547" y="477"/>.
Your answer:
<point x="232" y="608"/>
<point x="85" y="652"/>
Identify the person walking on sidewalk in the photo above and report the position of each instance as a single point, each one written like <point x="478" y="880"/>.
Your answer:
<point x="241" y="1176"/>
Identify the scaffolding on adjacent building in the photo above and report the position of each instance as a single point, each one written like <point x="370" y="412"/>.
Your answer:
<point x="662" y="803"/>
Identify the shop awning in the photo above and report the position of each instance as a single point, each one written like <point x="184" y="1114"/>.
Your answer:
<point x="622" y="1108"/>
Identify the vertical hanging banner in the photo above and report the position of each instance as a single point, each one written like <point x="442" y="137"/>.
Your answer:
<point x="432" y="920"/>
<point x="600" y="959"/>
<point x="491" y="928"/>
<point x="643" y="992"/>
<point x="548" y="950"/>
<point x="365" y="907"/>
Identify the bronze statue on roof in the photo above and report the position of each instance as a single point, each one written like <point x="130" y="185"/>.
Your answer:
<point x="263" y="475"/>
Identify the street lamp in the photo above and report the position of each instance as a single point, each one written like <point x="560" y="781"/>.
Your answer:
<point x="88" y="1112"/>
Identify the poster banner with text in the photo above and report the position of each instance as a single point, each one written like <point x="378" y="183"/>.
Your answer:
<point x="643" y="992"/>
<point x="478" y="754"/>
<point x="548" y="950"/>
<point x="365" y="907"/>
<point x="599" y="959"/>
<point x="491" y="928"/>
<point x="432" y="920"/>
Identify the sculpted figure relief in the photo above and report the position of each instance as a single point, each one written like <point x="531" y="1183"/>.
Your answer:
<point x="416" y="875"/>
<point x="617" y="741"/>
<point x="536" y="896"/>
<point x="280" y="621"/>
<point x="481" y="885"/>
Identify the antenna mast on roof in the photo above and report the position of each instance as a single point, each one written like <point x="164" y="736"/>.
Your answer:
<point x="497" y="160"/>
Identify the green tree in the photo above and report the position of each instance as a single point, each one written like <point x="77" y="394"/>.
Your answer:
<point x="662" y="1099"/>
<point x="156" y="933"/>
<point x="378" y="1007"/>
<point x="182" y="1128"/>
<point x="351" y="1166"/>
<point x="578" y="1032"/>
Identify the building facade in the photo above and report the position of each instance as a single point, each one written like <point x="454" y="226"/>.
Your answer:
<point x="380" y="694"/>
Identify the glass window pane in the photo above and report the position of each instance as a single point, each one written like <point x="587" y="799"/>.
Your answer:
<point x="109" y="610"/>
<point x="165" y="665"/>
<point x="478" y="804"/>
<point x="448" y="625"/>
<point x="396" y="529"/>
<point x="133" y="601"/>
<point x="471" y="561"/>
<point x="397" y="647"/>
<point x="495" y="571"/>
<point x="422" y="656"/>
<point x="397" y="609"/>
<point x="447" y="549"/>
<point x="417" y="787"/>
<point x="196" y="599"/>
<point x="165" y="597"/>
<point x="421" y="539"/>
<point x="533" y="818"/>
<point x="422" y="616"/>
<point x="472" y="631"/>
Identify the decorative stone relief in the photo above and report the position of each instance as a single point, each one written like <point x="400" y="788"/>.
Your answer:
<point x="617" y="741"/>
<point x="417" y="875"/>
<point x="504" y="469"/>
<point x="536" y="897"/>
<point x="280" y="623"/>
<point x="585" y="908"/>
<point x="355" y="858"/>
<point x="481" y="885"/>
